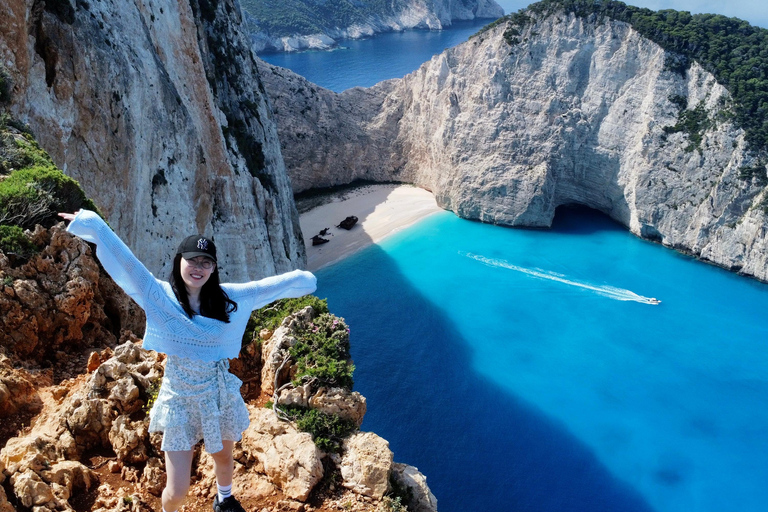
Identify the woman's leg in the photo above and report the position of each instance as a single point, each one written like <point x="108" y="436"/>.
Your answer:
<point x="223" y="464"/>
<point x="178" y="467"/>
<point x="223" y="467"/>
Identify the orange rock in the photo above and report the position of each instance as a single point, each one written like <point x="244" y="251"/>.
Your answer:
<point x="93" y="362"/>
<point x="60" y="302"/>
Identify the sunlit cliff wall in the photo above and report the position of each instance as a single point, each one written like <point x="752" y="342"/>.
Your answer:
<point x="156" y="107"/>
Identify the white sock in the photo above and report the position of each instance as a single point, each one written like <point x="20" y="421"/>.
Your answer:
<point x="224" y="492"/>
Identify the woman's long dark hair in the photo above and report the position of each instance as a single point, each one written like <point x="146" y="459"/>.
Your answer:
<point x="214" y="302"/>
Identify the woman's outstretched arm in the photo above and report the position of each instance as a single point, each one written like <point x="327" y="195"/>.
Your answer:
<point x="114" y="255"/>
<point x="259" y="293"/>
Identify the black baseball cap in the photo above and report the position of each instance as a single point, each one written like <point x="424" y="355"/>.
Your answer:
<point x="197" y="245"/>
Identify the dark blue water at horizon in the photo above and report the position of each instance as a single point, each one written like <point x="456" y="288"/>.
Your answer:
<point x="365" y="62"/>
<point x="524" y="370"/>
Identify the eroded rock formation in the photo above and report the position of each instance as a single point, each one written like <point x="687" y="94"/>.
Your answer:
<point x="45" y="466"/>
<point x="156" y="108"/>
<point x="60" y="301"/>
<point x="574" y="111"/>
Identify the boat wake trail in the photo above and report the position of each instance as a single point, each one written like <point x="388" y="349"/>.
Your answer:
<point x="610" y="292"/>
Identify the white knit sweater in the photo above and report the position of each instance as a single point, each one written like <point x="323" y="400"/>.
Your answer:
<point x="169" y="329"/>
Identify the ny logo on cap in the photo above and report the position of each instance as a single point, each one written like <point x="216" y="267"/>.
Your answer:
<point x="202" y="244"/>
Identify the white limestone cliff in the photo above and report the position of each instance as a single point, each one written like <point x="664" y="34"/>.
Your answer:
<point x="574" y="113"/>
<point x="156" y="108"/>
<point x="418" y="14"/>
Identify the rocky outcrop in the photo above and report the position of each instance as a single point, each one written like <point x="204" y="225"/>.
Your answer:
<point x="569" y="111"/>
<point x="49" y="306"/>
<point x="16" y="389"/>
<point x="366" y="464"/>
<point x="288" y="457"/>
<point x="348" y="405"/>
<point x="45" y="466"/>
<point x="156" y="108"/>
<point x="410" y="478"/>
<point x="322" y="28"/>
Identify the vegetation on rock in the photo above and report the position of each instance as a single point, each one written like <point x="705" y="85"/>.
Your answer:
<point x="32" y="189"/>
<point x="271" y="316"/>
<point x="34" y="195"/>
<point x="322" y="353"/>
<point x="319" y="357"/>
<point x="735" y="52"/>
<point x="328" y="430"/>
<point x="13" y="241"/>
<point x="694" y="122"/>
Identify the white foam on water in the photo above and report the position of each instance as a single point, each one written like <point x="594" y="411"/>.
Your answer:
<point x="610" y="292"/>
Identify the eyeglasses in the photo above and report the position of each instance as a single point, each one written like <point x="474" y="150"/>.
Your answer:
<point x="204" y="263"/>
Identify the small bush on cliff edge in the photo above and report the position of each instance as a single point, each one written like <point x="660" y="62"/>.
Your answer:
<point x="13" y="241"/>
<point x="322" y="353"/>
<point x="36" y="194"/>
<point x="271" y="316"/>
<point x="34" y="190"/>
<point x="327" y="430"/>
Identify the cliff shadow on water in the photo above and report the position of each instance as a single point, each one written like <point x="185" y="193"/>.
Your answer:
<point x="481" y="446"/>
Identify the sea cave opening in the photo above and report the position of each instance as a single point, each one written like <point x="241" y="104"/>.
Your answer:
<point x="576" y="218"/>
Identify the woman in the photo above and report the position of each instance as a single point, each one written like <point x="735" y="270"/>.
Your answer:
<point x="199" y="323"/>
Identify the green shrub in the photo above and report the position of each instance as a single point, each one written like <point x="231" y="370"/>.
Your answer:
<point x="756" y="172"/>
<point x="693" y="123"/>
<point x="328" y="430"/>
<point x="390" y="504"/>
<point x="322" y="353"/>
<point x="13" y="241"/>
<point x="16" y="150"/>
<point x="271" y="316"/>
<point x="35" y="195"/>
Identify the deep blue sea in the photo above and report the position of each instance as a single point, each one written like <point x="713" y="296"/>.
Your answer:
<point x="524" y="370"/>
<point x="365" y="62"/>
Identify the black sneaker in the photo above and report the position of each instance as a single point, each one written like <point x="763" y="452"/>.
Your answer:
<point x="230" y="504"/>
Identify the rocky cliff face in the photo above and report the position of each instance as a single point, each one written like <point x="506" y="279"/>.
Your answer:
<point x="329" y="139"/>
<point x="574" y="111"/>
<point x="156" y="108"/>
<point x="324" y="31"/>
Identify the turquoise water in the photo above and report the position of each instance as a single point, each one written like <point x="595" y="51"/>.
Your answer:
<point x="524" y="370"/>
<point x="365" y="62"/>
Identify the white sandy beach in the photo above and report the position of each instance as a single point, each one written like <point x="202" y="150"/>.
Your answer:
<point x="381" y="211"/>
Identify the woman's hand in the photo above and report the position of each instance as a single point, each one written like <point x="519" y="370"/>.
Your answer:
<point x="68" y="216"/>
